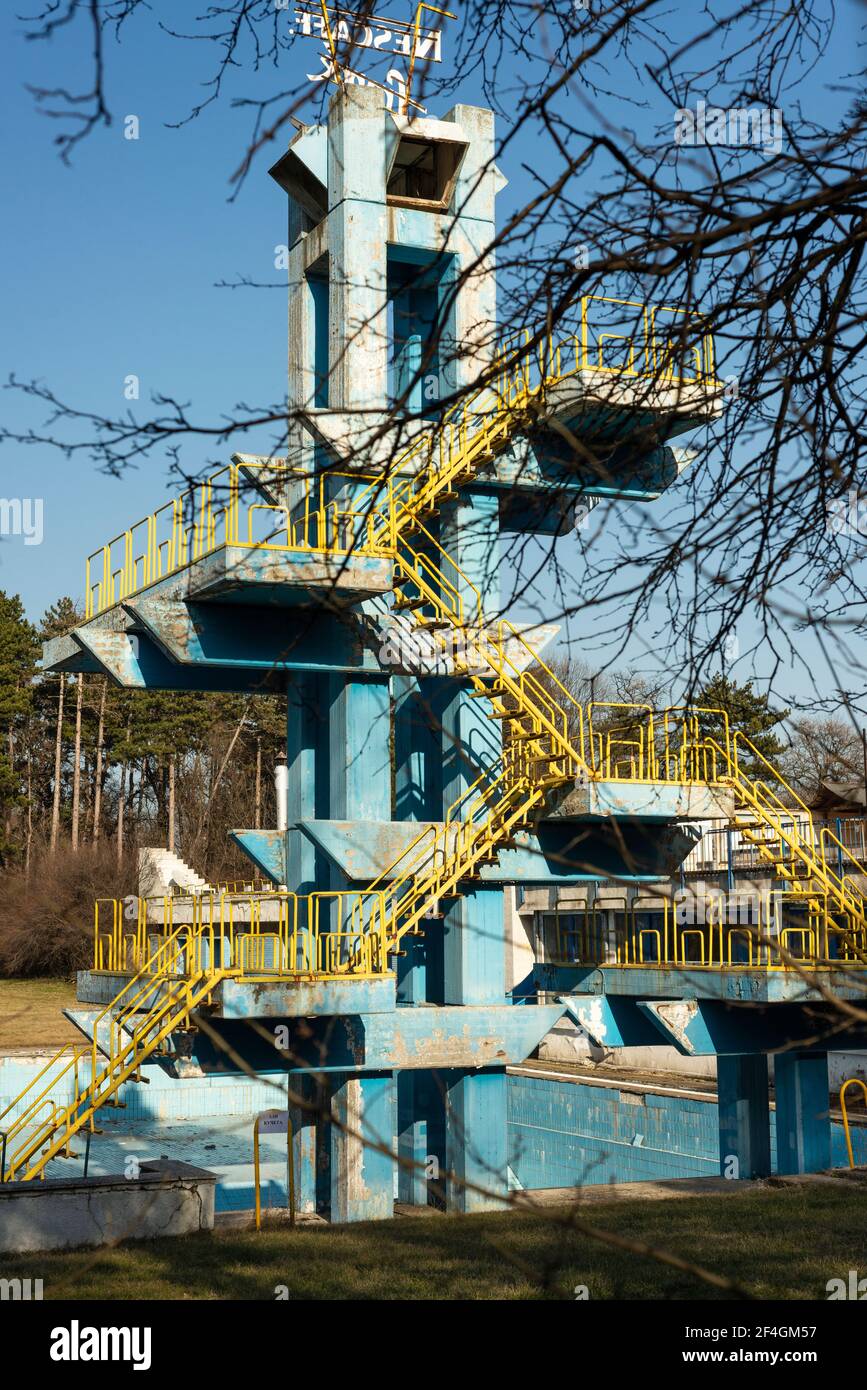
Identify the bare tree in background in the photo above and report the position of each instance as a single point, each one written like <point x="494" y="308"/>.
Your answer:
<point x="766" y="239"/>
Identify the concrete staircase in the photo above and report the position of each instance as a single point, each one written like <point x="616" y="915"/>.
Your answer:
<point x="161" y="872"/>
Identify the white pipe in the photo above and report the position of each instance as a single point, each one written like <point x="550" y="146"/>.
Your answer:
<point x="281" y="787"/>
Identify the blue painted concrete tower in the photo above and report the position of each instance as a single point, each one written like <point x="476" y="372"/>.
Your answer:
<point x="390" y="312"/>
<point x="396" y="1068"/>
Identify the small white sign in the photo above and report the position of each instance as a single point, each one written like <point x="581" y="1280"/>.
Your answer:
<point x="274" y="1122"/>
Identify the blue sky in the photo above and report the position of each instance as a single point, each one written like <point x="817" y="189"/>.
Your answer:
<point x="111" y="266"/>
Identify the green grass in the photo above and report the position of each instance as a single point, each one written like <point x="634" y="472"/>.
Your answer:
<point x="30" y="1013"/>
<point x="776" y="1243"/>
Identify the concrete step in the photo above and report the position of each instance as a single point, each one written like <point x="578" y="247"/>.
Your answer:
<point x="85" y="1020"/>
<point x="175" y="1064"/>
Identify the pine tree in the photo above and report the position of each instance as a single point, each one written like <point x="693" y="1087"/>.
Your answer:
<point x="749" y="713"/>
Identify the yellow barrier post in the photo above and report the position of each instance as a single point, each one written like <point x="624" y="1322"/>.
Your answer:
<point x="853" y="1081"/>
<point x="274" y="1122"/>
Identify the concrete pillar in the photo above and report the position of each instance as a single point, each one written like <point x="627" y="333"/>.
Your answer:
<point x="475" y="1117"/>
<point x="470" y="536"/>
<point x="417" y="751"/>
<point x="475" y="312"/>
<point x="302" y="330"/>
<point x="358" y="248"/>
<point x="302" y="1114"/>
<point x="359" y="736"/>
<point x="417" y="761"/>
<point x="361" y="1183"/>
<point x="803" y="1116"/>
<point x="744" y="1115"/>
<point x="307" y="763"/>
<point x="302" y="358"/>
<point x="412" y="1139"/>
<point x="476" y="1141"/>
<point x="421" y="1126"/>
<point x="473" y="948"/>
<point x="361" y="1175"/>
<point x="360" y="757"/>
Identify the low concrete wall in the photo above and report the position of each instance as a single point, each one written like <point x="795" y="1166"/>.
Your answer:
<point x="166" y="1199"/>
<point x="164" y="1098"/>
<point x="576" y="1133"/>
<point x="567" y="1043"/>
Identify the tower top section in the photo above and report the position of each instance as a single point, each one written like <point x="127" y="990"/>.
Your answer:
<point x="392" y="291"/>
<point x="437" y="166"/>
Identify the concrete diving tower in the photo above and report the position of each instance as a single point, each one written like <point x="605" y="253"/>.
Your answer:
<point x="432" y="760"/>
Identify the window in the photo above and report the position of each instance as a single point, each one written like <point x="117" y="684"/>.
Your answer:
<point x="423" y="173"/>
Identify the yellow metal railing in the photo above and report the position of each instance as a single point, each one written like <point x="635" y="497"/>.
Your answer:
<point x="153" y="1005"/>
<point x="791" y="845"/>
<point x="35" y="1104"/>
<point x="853" y="1081"/>
<point x="228" y="510"/>
<point x="724" y="846"/>
<point x="253" y="934"/>
<point x="738" y="932"/>
<point x="325" y="511"/>
<point x="179" y="965"/>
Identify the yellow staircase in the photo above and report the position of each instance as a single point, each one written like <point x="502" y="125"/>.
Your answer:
<point x="548" y="739"/>
<point x="537" y="713"/>
<point x="799" y="857"/>
<point x="154" y="1004"/>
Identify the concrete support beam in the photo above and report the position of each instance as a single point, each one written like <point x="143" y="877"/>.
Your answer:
<point x="476" y="1142"/>
<point x="417" y="748"/>
<point x="361" y="1175"/>
<point x="474" y="952"/>
<point x="413" y="1146"/>
<point x="470" y="534"/>
<point x="417" y="762"/>
<point x="307" y="761"/>
<point x="474" y="948"/>
<point x="302" y="1114"/>
<point x="360" y="718"/>
<point x="744" y="1116"/>
<point x="475" y="1120"/>
<point x="359" y="727"/>
<point x="803" y="1118"/>
<point x="478" y="183"/>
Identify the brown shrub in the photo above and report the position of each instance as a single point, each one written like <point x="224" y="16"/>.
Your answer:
<point x="46" y="921"/>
